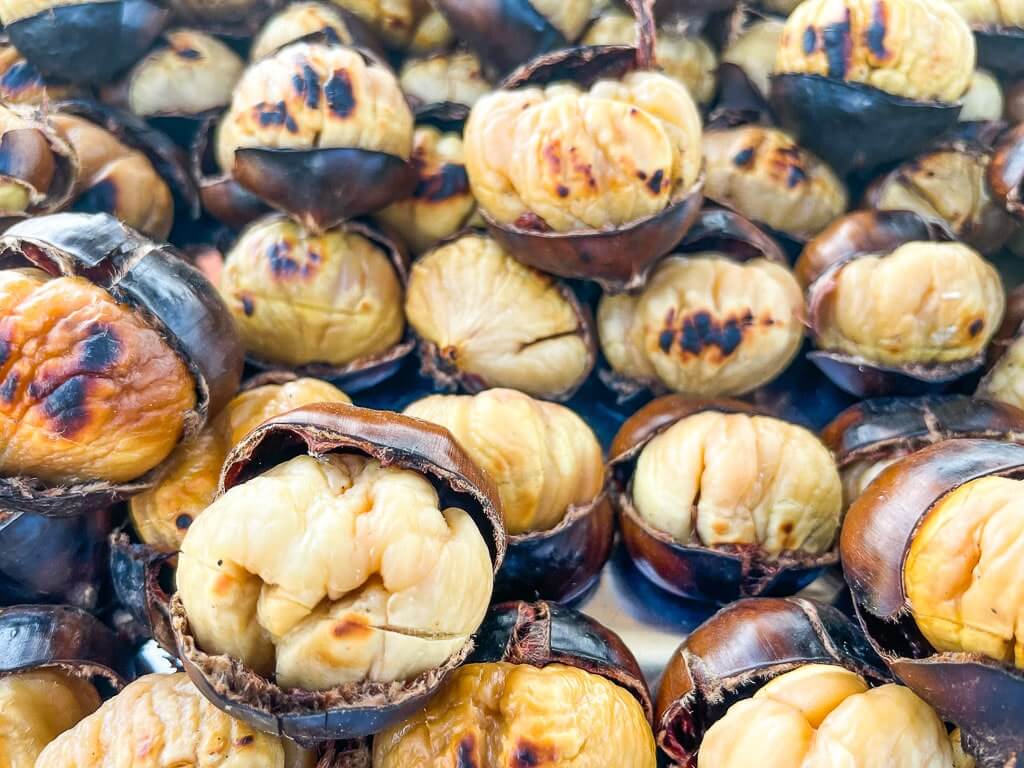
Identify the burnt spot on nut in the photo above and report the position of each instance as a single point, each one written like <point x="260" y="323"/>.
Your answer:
<point x="810" y="40"/>
<point x="189" y="53"/>
<point x="528" y="755"/>
<point x="182" y="522"/>
<point x="532" y="222"/>
<point x="976" y="327"/>
<point x="247" y="304"/>
<point x="307" y="85"/>
<point x="654" y="184"/>
<point x="796" y="176"/>
<point x="699" y="332"/>
<point x="281" y="263"/>
<point x="744" y="157"/>
<point x="275" y="114"/>
<point x="876" y="30"/>
<point x="338" y="91"/>
<point x="101" y="349"/>
<point x="464" y="754"/>
<point x="350" y="628"/>
<point x="245" y="741"/>
<point x="10" y="387"/>
<point x="22" y="76"/>
<point x="5" y="350"/>
<point x="838" y="47"/>
<point x="99" y="198"/>
<point x="65" y="406"/>
<point x="553" y="155"/>
<point x="450" y="181"/>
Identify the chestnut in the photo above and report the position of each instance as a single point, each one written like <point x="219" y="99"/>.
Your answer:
<point x="114" y="350"/>
<point x="892" y="309"/>
<point x="549" y="470"/>
<point x="999" y="31"/>
<point x="753" y="51"/>
<point x="931" y="551"/>
<point x="21" y="82"/>
<point x="1006" y="172"/>
<point x="297" y="21"/>
<point x="320" y="132"/>
<point x="454" y="79"/>
<point x="1002" y="381"/>
<point x="342" y="634"/>
<point x="37" y="166"/>
<point x="717" y="501"/>
<point x="546" y="686"/>
<point x="403" y="25"/>
<point x="328" y="305"/>
<point x="485" y="320"/>
<point x="863" y="82"/>
<point x="984" y="101"/>
<point x="721" y="316"/>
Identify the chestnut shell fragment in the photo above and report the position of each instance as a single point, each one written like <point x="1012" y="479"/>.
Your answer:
<point x="1001" y="49"/>
<point x="135" y="571"/>
<point x="363" y="708"/>
<point x="1006" y="172"/>
<point x="221" y="196"/>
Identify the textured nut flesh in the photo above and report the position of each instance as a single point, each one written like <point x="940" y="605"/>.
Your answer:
<point x="577" y="159"/>
<point x="117" y="179"/>
<point x="495" y="318"/>
<point x="964" y="572"/>
<point x="1005" y="382"/>
<point x="717" y="478"/>
<point x="35" y="708"/>
<point x="301" y="298"/>
<point x="705" y="325"/>
<point x="162" y="514"/>
<point x="542" y="456"/>
<point x="402" y="23"/>
<point x="88" y="390"/>
<point x="915" y="49"/>
<point x="765" y="175"/>
<point x="504" y="715"/>
<point x="820" y="716"/>
<point x="310" y="96"/>
<point x="22" y="83"/>
<point x="923" y="303"/>
<point x="860" y="474"/>
<point x="1001" y="13"/>
<point x="296" y="21"/>
<point x="754" y="52"/>
<point x="984" y="99"/>
<point x="333" y="570"/>
<point x="162" y="720"/>
<point x="456" y="77"/>
<point x="441" y="203"/>
<point x="690" y="60"/>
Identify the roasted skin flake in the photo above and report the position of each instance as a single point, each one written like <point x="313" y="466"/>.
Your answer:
<point x="402" y="24"/>
<point x="996" y="13"/>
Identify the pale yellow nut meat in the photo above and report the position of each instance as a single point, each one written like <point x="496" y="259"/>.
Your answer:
<point x="984" y="99"/>
<point x="705" y="325"/>
<point x="991" y="13"/>
<point x="301" y="298"/>
<point x="567" y="16"/>
<point x="716" y="478"/>
<point x="542" y="456"/>
<point x="783" y="7"/>
<point x="916" y="49"/>
<point x="334" y="570"/>
<point x="964" y="572"/>
<point x="455" y="77"/>
<point x="1005" y="382"/>
<point x="923" y="303"/>
<point x="298" y="20"/>
<point x="401" y="23"/>
<point x="754" y="52"/>
<point x="432" y="33"/>
<point x="508" y="716"/>
<point x="495" y="318"/>
<point x="161" y="721"/>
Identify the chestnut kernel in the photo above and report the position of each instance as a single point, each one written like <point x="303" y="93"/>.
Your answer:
<point x="999" y="32"/>
<point x="984" y="100"/>
<point x="1003" y="382"/>
<point x="754" y="50"/>
<point x="454" y="78"/>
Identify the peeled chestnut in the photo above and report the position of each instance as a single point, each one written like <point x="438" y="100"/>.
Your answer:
<point x="114" y="350"/>
<point x="1006" y="172"/>
<point x="21" y="82"/>
<point x="485" y="320"/>
<point x="722" y="316"/>
<point x="717" y="501"/>
<point x="546" y="686"/>
<point x="863" y="82"/>
<point x="453" y="78"/>
<point x="932" y="551"/>
<point x="297" y="21"/>
<point x="999" y="30"/>
<point x="38" y="167"/>
<point x="221" y="196"/>
<point x="319" y="131"/>
<point x="984" y="100"/>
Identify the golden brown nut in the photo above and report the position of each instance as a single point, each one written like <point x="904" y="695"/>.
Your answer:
<point x="22" y="83"/>
<point x="705" y="325"/>
<point x="89" y="390"/>
<point x="1005" y="381"/>
<point x="296" y="21"/>
<point x="567" y="159"/>
<point x="964" y="572"/>
<point x="402" y="24"/>
<point x="507" y="715"/>
<point x="301" y="298"/>
<point x="454" y="77"/>
<point x="34" y="165"/>
<point x="35" y="708"/>
<point x="916" y="49"/>
<point x="332" y="570"/>
<point x="984" y="99"/>
<point x="162" y="514"/>
<point x="991" y="13"/>
<point x="754" y="52"/>
<point x="765" y="175"/>
<point x="923" y="303"/>
<point x="716" y="478"/>
<point x="821" y="716"/>
<point x="491" y="317"/>
<point x="690" y="60"/>
<point x="162" y="720"/>
<point x="542" y="456"/>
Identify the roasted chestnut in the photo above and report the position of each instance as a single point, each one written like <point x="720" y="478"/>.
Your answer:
<point x="485" y="320"/>
<point x="328" y="304"/>
<point x="297" y="21"/>
<point x="21" y="82"/>
<point x="754" y="50"/>
<point x="546" y="686"/>
<point x="114" y="350"/>
<point x="892" y="310"/>
<point x="321" y="132"/>
<point x="38" y="167"/>
<point x="404" y="25"/>
<point x="788" y="682"/>
<point x="932" y="554"/>
<point x="722" y="316"/>
<point x="983" y="101"/>
<point x="341" y="634"/>
<point x="1006" y="173"/>
<point x="863" y="82"/>
<point x="999" y="30"/>
<point x="453" y="78"/>
<point x="549" y="470"/>
<point x="717" y="501"/>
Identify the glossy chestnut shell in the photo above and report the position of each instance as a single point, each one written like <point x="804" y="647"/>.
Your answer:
<point x="221" y="196"/>
<point x="1001" y="49"/>
<point x="1006" y="173"/>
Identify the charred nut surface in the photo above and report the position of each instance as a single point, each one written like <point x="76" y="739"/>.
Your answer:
<point x="754" y="51"/>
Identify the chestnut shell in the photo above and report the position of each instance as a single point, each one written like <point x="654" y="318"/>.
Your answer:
<point x="1006" y="172"/>
<point x="1001" y="49"/>
<point x="135" y="571"/>
<point x="221" y="196"/>
<point x="363" y="708"/>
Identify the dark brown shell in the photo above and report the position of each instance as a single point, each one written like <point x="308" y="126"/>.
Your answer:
<point x="229" y="21"/>
<point x="1006" y="173"/>
<point x="135" y="571"/>
<point x="155" y="280"/>
<point x="22" y="158"/>
<point x="1009" y="331"/>
<point x="358" y="709"/>
<point x="740" y="649"/>
<point x="983" y="697"/>
<point x="1001" y="49"/>
<point x="221" y="196"/>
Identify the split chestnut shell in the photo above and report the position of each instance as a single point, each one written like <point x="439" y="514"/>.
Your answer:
<point x="1006" y="172"/>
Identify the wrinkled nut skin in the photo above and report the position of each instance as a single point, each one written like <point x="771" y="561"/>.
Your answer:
<point x="443" y="78"/>
<point x="37" y="166"/>
<point x="403" y="25"/>
<point x="1006" y="172"/>
<point x="880" y="533"/>
<point x="21" y="82"/>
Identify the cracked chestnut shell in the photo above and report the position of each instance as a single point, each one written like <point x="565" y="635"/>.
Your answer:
<point x="408" y="26"/>
<point x="485" y="320"/>
<point x="930" y="551"/>
<point x="38" y="169"/>
<point x="21" y="82"/>
<point x="546" y="685"/>
<point x="694" y="517"/>
<point x="1006" y="172"/>
<point x="144" y="319"/>
<point x="861" y="82"/>
<point x="219" y="194"/>
<point x="999" y="31"/>
<point x="392" y="452"/>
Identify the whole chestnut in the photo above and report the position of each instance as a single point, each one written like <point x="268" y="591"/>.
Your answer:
<point x="485" y="320"/>
<point x="1002" y="381"/>
<point x="21" y="82"/>
<point x="38" y="167"/>
<point x="717" y="501"/>
<point x="454" y="78"/>
<point x="999" y="30"/>
<point x="306" y="19"/>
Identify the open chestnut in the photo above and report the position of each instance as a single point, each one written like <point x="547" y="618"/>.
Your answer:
<point x="717" y="501"/>
<point x="999" y="31"/>
<point x="38" y="168"/>
<point x="1006" y="172"/>
<point x="410" y="26"/>
<point x="984" y="100"/>
<point x="450" y="82"/>
<point x="752" y="52"/>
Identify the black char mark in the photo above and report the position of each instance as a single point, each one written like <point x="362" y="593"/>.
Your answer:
<point x="276" y="114"/>
<point x="525" y="756"/>
<point x="338" y="91"/>
<point x="838" y="47"/>
<point x="876" y="30"/>
<point x="307" y="85"/>
<point x="976" y="327"/>
<point x="101" y="349"/>
<point x="10" y="387"/>
<point x="810" y="40"/>
<point x="65" y="406"/>
<point x="189" y="53"/>
<point x="464" y="758"/>
<point x="5" y="350"/>
<point x="449" y="182"/>
<point x="743" y="157"/>
<point x="796" y="176"/>
<point x="247" y="304"/>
